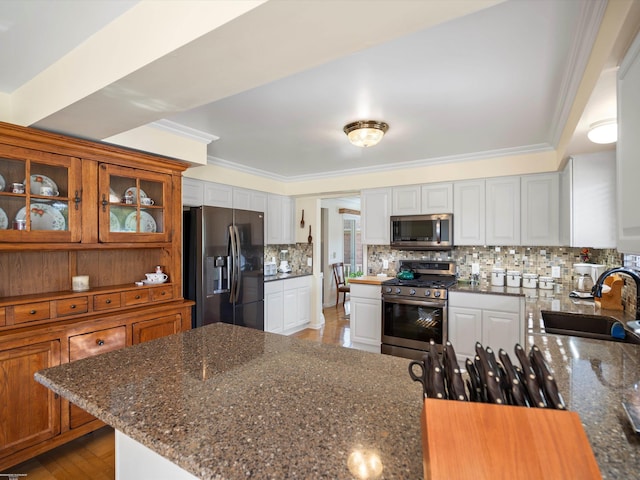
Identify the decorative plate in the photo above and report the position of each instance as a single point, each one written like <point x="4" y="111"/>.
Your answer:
<point x="4" y="220"/>
<point x="38" y="181"/>
<point x="43" y="217"/>
<point x="134" y="191"/>
<point x="114" y="223"/>
<point x="2" y="183"/>
<point x="113" y="198"/>
<point x="147" y="223"/>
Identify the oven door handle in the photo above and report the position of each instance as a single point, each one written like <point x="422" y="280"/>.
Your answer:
<point x="420" y="303"/>
<point x="438" y="231"/>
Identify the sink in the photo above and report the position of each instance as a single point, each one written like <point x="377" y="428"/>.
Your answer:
<point x="584" y="325"/>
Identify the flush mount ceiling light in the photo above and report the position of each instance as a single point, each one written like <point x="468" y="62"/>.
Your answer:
<point x="604" y="131"/>
<point x="365" y="133"/>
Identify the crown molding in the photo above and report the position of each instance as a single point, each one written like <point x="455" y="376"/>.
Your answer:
<point x="184" y="131"/>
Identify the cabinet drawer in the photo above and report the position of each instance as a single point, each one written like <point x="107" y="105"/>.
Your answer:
<point x="136" y="297"/>
<point x="102" y="341"/>
<point x="161" y="293"/>
<point x="3" y="317"/>
<point x="72" y="306"/>
<point x="31" y="312"/>
<point x="106" y="301"/>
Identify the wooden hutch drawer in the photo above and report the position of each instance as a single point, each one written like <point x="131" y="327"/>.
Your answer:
<point x="89" y="344"/>
<point x="72" y="306"/>
<point x="31" y="312"/>
<point x="161" y="293"/>
<point x="136" y="297"/>
<point x="106" y="301"/>
<point x="3" y="316"/>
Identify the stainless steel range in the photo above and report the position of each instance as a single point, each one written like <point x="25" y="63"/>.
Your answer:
<point x="414" y="311"/>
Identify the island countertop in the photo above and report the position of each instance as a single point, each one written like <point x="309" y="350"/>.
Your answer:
<point x="230" y="402"/>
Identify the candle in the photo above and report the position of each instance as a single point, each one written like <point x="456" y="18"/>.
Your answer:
<point x="80" y="283"/>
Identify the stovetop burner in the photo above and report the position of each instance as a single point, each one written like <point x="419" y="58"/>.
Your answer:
<point x="426" y="281"/>
<point x="431" y="280"/>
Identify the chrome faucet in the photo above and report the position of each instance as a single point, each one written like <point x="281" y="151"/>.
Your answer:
<point x="597" y="288"/>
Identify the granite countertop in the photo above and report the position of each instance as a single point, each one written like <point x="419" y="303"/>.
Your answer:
<point x="234" y="402"/>
<point x="223" y="401"/>
<point x="284" y="276"/>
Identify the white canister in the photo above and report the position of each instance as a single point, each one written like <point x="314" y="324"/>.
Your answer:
<point x="529" y="280"/>
<point x="513" y="278"/>
<point x="497" y="277"/>
<point x="545" y="283"/>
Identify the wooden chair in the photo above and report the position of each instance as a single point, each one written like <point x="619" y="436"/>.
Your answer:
<point x="341" y="284"/>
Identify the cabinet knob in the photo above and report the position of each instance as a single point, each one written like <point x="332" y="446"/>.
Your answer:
<point x="104" y="202"/>
<point x="33" y="312"/>
<point x="72" y="307"/>
<point x="77" y="199"/>
<point x="108" y="301"/>
<point x="137" y="297"/>
<point x="100" y="342"/>
<point x="163" y="293"/>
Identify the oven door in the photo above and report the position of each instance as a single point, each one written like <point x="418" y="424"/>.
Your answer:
<point x="413" y="323"/>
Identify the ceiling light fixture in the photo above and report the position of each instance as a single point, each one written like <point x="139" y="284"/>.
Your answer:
<point x="365" y="133"/>
<point x="604" y="131"/>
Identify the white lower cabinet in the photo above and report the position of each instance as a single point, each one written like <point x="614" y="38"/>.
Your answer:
<point x="287" y="305"/>
<point x="366" y="317"/>
<point x="496" y="321"/>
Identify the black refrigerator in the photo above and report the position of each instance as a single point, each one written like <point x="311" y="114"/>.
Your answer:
<point x="223" y="265"/>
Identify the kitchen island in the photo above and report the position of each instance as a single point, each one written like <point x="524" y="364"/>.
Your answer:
<point x="229" y="402"/>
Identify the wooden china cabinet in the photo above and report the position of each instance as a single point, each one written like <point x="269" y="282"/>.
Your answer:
<point x="84" y="208"/>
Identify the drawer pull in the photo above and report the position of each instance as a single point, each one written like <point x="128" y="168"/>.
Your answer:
<point x="108" y="301"/>
<point x="100" y="342"/>
<point x="163" y="293"/>
<point x="72" y="307"/>
<point x="137" y="297"/>
<point x="33" y="312"/>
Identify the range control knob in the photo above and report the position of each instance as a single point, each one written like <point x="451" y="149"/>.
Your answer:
<point x="412" y="292"/>
<point x="427" y="293"/>
<point x="437" y="294"/>
<point x="398" y="290"/>
<point x="387" y="290"/>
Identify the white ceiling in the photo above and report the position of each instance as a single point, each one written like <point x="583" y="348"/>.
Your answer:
<point x="500" y="80"/>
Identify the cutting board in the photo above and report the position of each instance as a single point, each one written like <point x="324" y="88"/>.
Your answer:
<point x="475" y="441"/>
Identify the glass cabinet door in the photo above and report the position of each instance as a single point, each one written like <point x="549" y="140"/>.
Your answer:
<point x="39" y="196"/>
<point x="133" y="205"/>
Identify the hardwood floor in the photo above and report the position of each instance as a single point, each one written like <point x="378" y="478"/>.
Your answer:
<point x="93" y="457"/>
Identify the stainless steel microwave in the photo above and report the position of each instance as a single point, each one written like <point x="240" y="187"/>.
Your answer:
<point x="422" y="232"/>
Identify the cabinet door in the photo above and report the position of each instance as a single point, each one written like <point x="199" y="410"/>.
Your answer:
<point x="134" y="205"/>
<point x="540" y="209"/>
<point x="437" y="198"/>
<point x="503" y="211"/>
<point x="304" y="305"/>
<point x="464" y="330"/>
<point x="30" y="412"/>
<point x="50" y="192"/>
<point x="366" y="318"/>
<point x="501" y="330"/>
<point x="290" y="308"/>
<point x="156" y="328"/>
<point x="469" y="215"/>
<point x="274" y="311"/>
<point x="88" y="345"/>
<point x="406" y="200"/>
<point x="279" y="220"/>
<point x="218" y="195"/>
<point x="192" y="192"/>
<point x="628" y="151"/>
<point x="376" y="207"/>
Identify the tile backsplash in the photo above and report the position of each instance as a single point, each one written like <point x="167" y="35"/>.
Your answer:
<point x="298" y="255"/>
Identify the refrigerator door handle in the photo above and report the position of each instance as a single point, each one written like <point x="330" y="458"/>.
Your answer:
<point x="238" y="277"/>
<point x="232" y="267"/>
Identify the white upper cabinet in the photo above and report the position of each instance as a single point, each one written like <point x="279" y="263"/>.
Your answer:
<point x="218" y="195"/>
<point x="192" y="192"/>
<point x="588" y="214"/>
<point x="246" y="199"/>
<point x="540" y="219"/>
<point x="279" y="220"/>
<point x="437" y="198"/>
<point x="628" y="151"/>
<point x="406" y="200"/>
<point x="503" y="211"/>
<point x="469" y="212"/>
<point x="376" y="208"/>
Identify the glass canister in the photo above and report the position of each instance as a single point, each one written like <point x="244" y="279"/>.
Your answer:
<point x="529" y="280"/>
<point x="497" y="277"/>
<point x="513" y="278"/>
